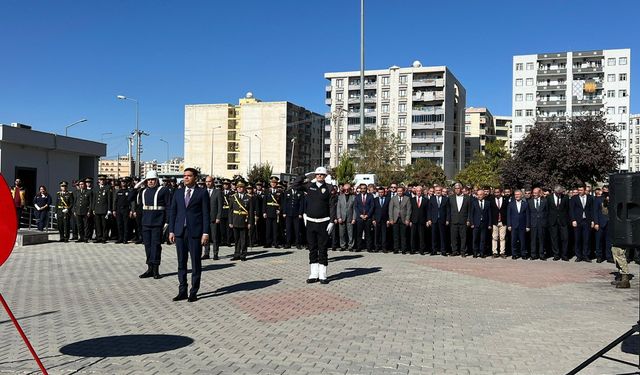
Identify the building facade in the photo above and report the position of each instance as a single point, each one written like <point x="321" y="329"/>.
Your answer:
<point x="553" y="87"/>
<point x="478" y="130"/>
<point x="423" y="106"/>
<point x="634" y="143"/>
<point x="226" y="139"/>
<point x="502" y="126"/>
<point x="116" y="168"/>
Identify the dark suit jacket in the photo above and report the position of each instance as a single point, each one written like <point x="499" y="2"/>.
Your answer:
<point x="519" y="220"/>
<point x="600" y="213"/>
<point x="362" y="209"/>
<point x="381" y="212"/>
<point x="576" y="210"/>
<point x="196" y="215"/>
<point x="419" y="215"/>
<point x="495" y="210"/>
<point x="438" y="214"/>
<point x="538" y="217"/>
<point x="480" y="217"/>
<point x="558" y="215"/>
<point x="459" y="215"/>
<point x="215" y="202"/>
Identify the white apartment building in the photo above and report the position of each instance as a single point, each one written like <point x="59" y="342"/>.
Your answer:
<point x="634" y="143"/>
<point x="502" y="126"/>
<point x="424" y="106"/>
<point x="225" y="139"/>
<point x="552" y="87"/>
<point x="478" y="130"/>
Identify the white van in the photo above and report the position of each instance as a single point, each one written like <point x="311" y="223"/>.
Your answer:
<point x="366" y="179"/>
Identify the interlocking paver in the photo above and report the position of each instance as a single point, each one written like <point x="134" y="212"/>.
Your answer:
<point x="381" y="314"/>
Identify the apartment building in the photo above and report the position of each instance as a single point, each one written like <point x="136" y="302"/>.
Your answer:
<point x="634" y="143"/>
<point x="479" y="129"/>
<point x="502" y="126"/>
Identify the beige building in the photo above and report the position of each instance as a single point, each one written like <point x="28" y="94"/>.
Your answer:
<point x="478" y="130"/>
<point x="502" y="127"/>
<point x="634" y="143"/>
<point x="226" y="139"/>
<point x="116" y="168"/>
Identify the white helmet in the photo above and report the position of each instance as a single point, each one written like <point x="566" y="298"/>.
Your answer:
<point x="151" y="175"/>
<point x="321" y="170"/>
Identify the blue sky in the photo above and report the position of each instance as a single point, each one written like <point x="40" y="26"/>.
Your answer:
<point x="66" y="60"/>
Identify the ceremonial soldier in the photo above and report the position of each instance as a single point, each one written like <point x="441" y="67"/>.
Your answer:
<point x="241" y="220"/>
<point x="154" y="200"/>
<point x="259" y="223"/>
<point x="253" y="235"/>
<point x="122" y="209"/>
<point x="292" y="213"/>
<point x="101" y="208"/>
<point x="271" y="212"/>
<point x="89" y="219"/>
<point x="74" y="224"/>
<point x="64" y="205"/>
<point x="82" y="211"/>
<point x="225" y="231"/>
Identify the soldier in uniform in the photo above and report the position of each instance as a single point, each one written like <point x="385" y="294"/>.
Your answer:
<point x="137" y="211"/>
<point x="225" y="231"/>
<point x="74" y="224"/>
<point x="82" y="211"/>
<point x="64" y="205"/>
<point x="154" y="200"/>
<point x="122" y="209"/>
<point x="271" y="212"/>
<point x="101" y="208"/>
<point x="90" y="222"/>
<point x="292" y="213"/>
<point x="253" y="235"/>
<point x="241" y="220"/>
<point x="259" y="224"/>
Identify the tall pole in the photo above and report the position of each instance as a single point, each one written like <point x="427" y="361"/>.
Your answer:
<point x="361" y="67"/>
<point x="260" y="153"/>
<point x="137" y="139"/>
<point x="66" y="128"/>
<point x="293" y="146"/>
<point x="167" y="143"/>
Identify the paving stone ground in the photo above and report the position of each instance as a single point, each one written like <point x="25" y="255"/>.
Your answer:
<point x="87" y="312"/>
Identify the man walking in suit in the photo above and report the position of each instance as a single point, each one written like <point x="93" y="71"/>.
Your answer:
<point x="480" y="218"/>
<point x="518" y="221"/>
<point x="581" y="211"/>
<point x="399" y="216"/>
<point x="344" y="214"/>
<point x="539" y="212"/>
<point x="189" y="222"/>
<point x="215" y="204"/>
<point x="418" y="221"/>
<point x="438" y="221"/>
<point x="362" y="212"/>
<point x="381" y="219"/>
<point x="459" y="206"/>
<point x="558" y="221"/>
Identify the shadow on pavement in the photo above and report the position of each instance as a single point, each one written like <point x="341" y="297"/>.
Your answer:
<point x="30" y="316"/>
<point x="354" y="272"/>
<point x="208" y="267"/>
<point x="269" y="255"/>
<point x="240" y="287"/>
<point x="344" y="257"/>
<point x="126" y="345"/>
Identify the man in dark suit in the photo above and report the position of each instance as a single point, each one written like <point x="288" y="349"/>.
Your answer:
<point x="499" y="206"/>
<point x="292" y="212"/>
<point x="480" y="219"/>
<point x="381" y="219"/>
<point x="418" y="221"/>
<point x="558" y="221"/>
<point x="189" y="220"/>
<point x="459" y="207"/>
<point x="601" y="221"/>
<point x="438" y="221"/>
<point x="538" y="214"/>
<point x="581" y="212"/>
<point x="215" y="204"/>
<point x="399" y="215"/>
<point x="518" y="224"/>
<point x="362" y="212"/>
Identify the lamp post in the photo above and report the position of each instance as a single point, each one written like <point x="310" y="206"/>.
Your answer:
<point x="167" y="143"/>
<point x="249" y="138"/>
<point x="66" y="128"/>
<point x="293" y="146"/>
<point x="137" y="133"/>
<point x="213" y="129"/>
<point x="260" y="153"/>
<point x="361" y="67"/>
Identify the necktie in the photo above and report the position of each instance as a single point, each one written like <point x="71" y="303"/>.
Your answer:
<point x="187" y="198"/>
<point x="401" y="200"/>
<point x="481" y="205"/>
<point x="363" y="199"/>
<point x="537" y="204"/>
<point x="418" y="202"/>
<point x="381" y="201"/>
<point x="438" y="202"/>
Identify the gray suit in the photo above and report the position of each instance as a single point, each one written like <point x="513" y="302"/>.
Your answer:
<point x="215" y="202"/>
<point x="344" y="211"/>
<point x="399" y="214"/>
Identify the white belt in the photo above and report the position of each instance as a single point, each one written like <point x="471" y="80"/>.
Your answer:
<point x="153" y="208"/>
<point x="314" y="220"/>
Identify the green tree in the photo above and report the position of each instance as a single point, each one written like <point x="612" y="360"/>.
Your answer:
<point x="484" y="170"/>
<point x="346" y="169"/>
<point x="378" y="154"/>
<point x="259" y="172"/>
<point x="425" y="172"/>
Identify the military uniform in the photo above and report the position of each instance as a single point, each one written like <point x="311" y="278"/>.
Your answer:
<point x="154" y="203"/>
<point x="226" y="233"/>
<point x="64" y="206"/>
<point x="101" y="209"/>
<point x="292" y="211"/>
<point x="271" y="213"/>
<point x="241" y="219"/>
<point x="82" y="212"/>
<point x="122" y="209"/>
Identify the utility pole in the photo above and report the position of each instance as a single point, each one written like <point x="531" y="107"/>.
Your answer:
<point x="361" y="68"/>
<point x="129" y="153"/>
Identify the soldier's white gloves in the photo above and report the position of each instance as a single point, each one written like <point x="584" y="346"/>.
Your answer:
<point x="329" y="227"/>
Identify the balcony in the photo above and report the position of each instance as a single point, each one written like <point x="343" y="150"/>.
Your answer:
<point x="370" y="85"/>
<point x="428" y="96"/>
<point x="327" y="141"/>
<point x="425" y="111"/>
<point x="551" y="103"/>
<point x="328" y="88"/>
<point x="327" y="128"/>
<point x="587" y="68"/>
<point x="327" y="154"/>
<point x="351" y="141"/>
<point x="354" y="100"/>
<point x="551" y="119"/>
<point x="587" y="101"/>
<point x="427" y="125"/>
<point x="353" y="128"/>
<point x="427" y="153"/>
<point x="427" y="139"/>
<point x="542" y="86"/>
<point x="434" y="82"/>
<point x="550" y="72"/>
<point x="370" y="99"/>
<point x="327" y="101"/>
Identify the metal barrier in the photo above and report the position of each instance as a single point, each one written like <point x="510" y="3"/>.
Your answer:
<point x="28" y="219"/>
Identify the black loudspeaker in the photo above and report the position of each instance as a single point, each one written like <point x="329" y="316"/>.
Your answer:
<point x="624" y="209"/>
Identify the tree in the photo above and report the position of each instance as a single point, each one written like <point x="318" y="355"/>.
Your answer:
<point x="425" y="172"/>
<point x="346" y="169"/>
<point x="582" y="151"/>
<point x="260" y="172"/>
<point x="378" y="154"/>
<point x="484" y="170"/>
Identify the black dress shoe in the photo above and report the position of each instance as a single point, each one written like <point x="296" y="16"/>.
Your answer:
<point x="180" y="297"/>
<point x="587" y="260"/>
<point x="289" y="247"/>
<point x="215" y="257"/>
<point x="147" y="274"/>
<point x="514" y="257"/>
<point x="78" y="241"/>
<point x="565" y="259"/>
<point x="204" y="257"/>
<point x="503" y="256"/>
<point x="599" y="260"/>
<point x="243" y="258"/>
<point x="556" y="259"/>
<point x="482" y="256"/>
<point x="475" y="255"/>
<point x="125" y="242"/>
<point x="311" y="281"/>
<point x="578" y="260"/>
<point x="464" y="255"/>
<point x="610" y="261"/>
<point x="235" y="258"/>
<point x="118" y="241"/>
<point x="324" y="281"/>
<point x="543" y="259"/>
<point x="192" y="298"/>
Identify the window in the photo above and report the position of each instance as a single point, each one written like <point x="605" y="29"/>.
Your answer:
<point x="622" y="61"/>
<point x="402" y="134"/>
<point x="339" y="82"/>
<point x="402" y="107"/>
<point x="339" y="96"/>
<point x="529" y="112"/>
<point x="622" y="109"/>
<point x="529" y="81"/>
<point x="611" y="110"/>
<point x="518" y="97"/>
<point x="402" y="93"/>
<point x="385" y="94"/>
<point x="385" y="108"/>
<point x="622" y="126"/>
<point x="402" y="121"/>
<point x="519" y="82"/>
<point x="529" y="97"/>
<point x="385" y="80"/>
<point x="529" y="66"/>
<point x="518" y="113"/>
<point x="467" y="128"/>
<point x="518" y="128"/>
<point x="611" y="77"/>
<point x="518" y="66"/>
<point x="611" y="93"/>
<point x="403" y="80"/>
<point x="623" y="77"/>
<point x="622" y="93"/>
<point x="611" y="61"/>
<point x="384" y="121"/>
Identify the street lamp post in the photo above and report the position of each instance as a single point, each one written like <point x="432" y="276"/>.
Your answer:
<point x="361" y="67"/>
<point x="66" y="128"/>
<point x="167" y="143"/>
<point x="260" y="153"/>
<point x="137" y="134"/>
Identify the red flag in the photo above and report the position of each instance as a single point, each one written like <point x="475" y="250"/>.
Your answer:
<point x="8" y="221"/>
